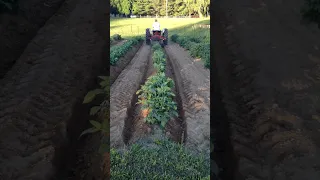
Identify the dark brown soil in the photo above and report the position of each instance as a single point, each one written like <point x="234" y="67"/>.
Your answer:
<point x="268" y="64"/>
<point x="41" y="112"/>
<point x="17" y="29"/>
<point x="116" y="70"/>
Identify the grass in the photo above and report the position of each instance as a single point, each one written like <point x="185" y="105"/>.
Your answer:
<point x="160" y="159"/>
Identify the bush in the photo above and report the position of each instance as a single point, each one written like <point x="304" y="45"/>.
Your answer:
<point x="118" y="51"/>
<point x="160" y="160"/>
<point x="206" y="60"/>
<point x="196" y="50"/>
<point x="190" y="45"/>
<point x="116" y="37"/>
<point x="174" y="37"/>
<point x="183" y="41"/>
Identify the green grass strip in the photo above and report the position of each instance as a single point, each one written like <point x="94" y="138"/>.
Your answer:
<point x="159" y="160"/>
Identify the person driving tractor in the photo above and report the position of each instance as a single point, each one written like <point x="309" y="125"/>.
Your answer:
<point x="156" y="25"/>
<point x="157" y="34"/>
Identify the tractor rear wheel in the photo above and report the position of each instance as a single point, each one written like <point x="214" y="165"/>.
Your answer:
<point x="148" y="35"/>
<point x="165" y="35"/>
<point x="161" y="42"/>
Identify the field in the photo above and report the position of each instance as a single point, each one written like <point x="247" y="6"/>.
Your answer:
<point x="137" y="26"/>
<point x="159" y="93"/>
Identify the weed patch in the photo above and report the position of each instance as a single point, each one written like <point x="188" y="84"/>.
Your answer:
<point x="163" y="160"/>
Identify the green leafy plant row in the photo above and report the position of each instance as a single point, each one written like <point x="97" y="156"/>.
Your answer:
<point x="156" y="94"/>
<point x="157" y="97"/>
<point x="196" y="48"/>
<point x="161" y="160"/>
<point x="118" y="51"/>
<point x="159" y="60"/>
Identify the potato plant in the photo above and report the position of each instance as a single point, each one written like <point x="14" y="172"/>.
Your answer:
<point x="159" y="61"/>
<point x="157" y="97"/>
<point x="118" y="51"/>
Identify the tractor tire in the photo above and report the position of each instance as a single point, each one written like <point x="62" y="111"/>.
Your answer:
<point x="148" y="35"/>
<point x="165" y="34"/>
<point x="161" y="42"/>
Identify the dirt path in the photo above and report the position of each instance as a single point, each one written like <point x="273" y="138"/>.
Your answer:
<point x="122" y="94"/>
<point x="193" y="84"/>
<point x="270" y="83"/>
<point x="38" y="94"/>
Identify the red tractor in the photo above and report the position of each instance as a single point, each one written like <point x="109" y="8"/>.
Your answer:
<point x="162" y="37"/>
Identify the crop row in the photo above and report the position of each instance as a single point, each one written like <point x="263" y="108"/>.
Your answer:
<point x="196" y="47"/>
<point x="118" y="51"/>
<point x="156" y="96"/>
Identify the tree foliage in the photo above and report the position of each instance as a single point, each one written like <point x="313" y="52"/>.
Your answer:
<point x="160" y="7"/>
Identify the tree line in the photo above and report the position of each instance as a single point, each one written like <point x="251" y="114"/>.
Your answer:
<point x="160" y="7"/>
